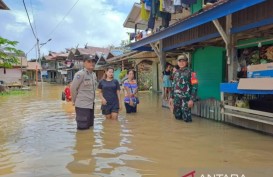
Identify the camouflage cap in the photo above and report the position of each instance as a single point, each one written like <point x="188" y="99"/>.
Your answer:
<point x="182" y="57"/>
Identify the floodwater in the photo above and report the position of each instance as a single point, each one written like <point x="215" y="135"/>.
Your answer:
<point x="38" y="138"/>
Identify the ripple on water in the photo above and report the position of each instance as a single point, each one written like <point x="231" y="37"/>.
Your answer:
<point x="38" y="138"/>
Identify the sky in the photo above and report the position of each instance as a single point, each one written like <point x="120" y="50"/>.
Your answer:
<point x="93" y="22"/>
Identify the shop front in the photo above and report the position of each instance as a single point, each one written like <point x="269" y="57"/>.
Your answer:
<point x="213" y="38"/>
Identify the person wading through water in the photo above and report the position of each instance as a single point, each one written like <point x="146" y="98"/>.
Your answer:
<point x="183" y="92"/>
<point x="67" y="92"/>
<point x="109" y="92"/>
<point x="131" y="89"/>
<point x="83" y="90"/>
<point x="167" y="81"/>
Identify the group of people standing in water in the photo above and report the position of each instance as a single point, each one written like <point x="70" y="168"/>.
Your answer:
<point x="83" y="88"/>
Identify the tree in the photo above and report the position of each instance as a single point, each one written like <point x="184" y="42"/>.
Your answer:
<point x="111" y="47"/>
<point x="123" y="46"/>
<point x="8" y="53"/>
<point x="122" y="74"/>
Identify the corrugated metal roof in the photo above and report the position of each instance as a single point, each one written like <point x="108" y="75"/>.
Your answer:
<point x="217" y="10"/>
<point x="121" y="56"/>
<point x="116" y="52"/>
<point x="89" y="50"/>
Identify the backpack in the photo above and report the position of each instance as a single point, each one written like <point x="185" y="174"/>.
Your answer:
<point x="63" y="96"/>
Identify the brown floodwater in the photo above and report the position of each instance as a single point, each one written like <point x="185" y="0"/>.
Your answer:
<point x="38" y="138"/>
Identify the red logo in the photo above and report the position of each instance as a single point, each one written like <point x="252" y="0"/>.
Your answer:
<point x="191" y="174"/>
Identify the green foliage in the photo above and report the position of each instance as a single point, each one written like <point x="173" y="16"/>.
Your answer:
<point x="145" y="80"/>
<point x="122" y="74"/>
<point x="25" y="77"/>
<point x="8" y="53"/>
<point x="12" y="92"/>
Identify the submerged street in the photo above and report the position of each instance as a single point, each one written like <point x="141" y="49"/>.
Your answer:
<point x="38" y="137"/>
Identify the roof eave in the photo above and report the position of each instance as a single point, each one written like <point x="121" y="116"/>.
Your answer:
<point x="219" y="11"/>
<point x="3" y="6"/>
<point x="131" y="13"/>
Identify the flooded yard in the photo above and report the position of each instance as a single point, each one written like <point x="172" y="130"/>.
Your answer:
<point x="38" y="137"/>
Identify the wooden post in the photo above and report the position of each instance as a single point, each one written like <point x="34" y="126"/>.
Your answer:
<point x="36" y="74"/>
<point x="231" y="50"/>
<point x="137" y="78"/>
<point x="223" y="34"/>
<point x="230" y="41"/>
<point x="223" y="108"/>
<point x="122" y="65"/>
<point x="162" y="59"/>
<point x="162" y="55"/>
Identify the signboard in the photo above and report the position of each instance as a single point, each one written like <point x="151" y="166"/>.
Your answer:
<point x="44" y="73"/>
<point x="62" y="71"/>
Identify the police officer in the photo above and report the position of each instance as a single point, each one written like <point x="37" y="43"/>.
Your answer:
<point x="183" y="92"/>
<point x="83" y="89"/>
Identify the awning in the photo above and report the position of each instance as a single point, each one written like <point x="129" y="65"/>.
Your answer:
<point x="120" y="57"/>
<point x="136" y="55"/>
<point x="133" y="18"/>
<point x="3" y="5"/>
<point x="223" y="8"/>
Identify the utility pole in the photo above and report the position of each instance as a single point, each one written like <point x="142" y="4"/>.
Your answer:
<point x="38" y="48"/>
<point x="21" y="73"/>
<point x="36" y="77"/>
<point x="39" y="58"/>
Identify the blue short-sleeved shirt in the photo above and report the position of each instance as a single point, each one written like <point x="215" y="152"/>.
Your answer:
<point x="109" y="92"/>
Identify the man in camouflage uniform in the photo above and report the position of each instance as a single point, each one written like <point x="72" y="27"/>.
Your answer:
<point x="183" y="93"/>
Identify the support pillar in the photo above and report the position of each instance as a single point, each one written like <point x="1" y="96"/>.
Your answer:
<point x="162" y="55"/>
<point x="231" y="51"/>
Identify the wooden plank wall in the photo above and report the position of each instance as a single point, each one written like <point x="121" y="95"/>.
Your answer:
<point x="197" y="32"/>
<point x="253" y="14"/>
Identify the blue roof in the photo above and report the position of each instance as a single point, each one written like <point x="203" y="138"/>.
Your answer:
<point x="222" y="9"/>
<point x="116" y="52"/>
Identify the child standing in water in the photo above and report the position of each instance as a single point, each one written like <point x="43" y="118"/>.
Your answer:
<point x="167" y="81"/>
<point x="67" y="92"/>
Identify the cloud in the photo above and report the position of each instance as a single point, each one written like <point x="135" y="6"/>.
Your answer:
<point x="20" y="17"/>
<point x="16" y="28"/>
<point x="125" y="2"/>
<point x="98" y="23"/>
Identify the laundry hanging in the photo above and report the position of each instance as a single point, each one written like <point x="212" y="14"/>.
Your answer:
<point x="144" y="14"/>
<point x="161" y="5"/>
<point x="189" y="2"/>
<point x="168" y="6"/>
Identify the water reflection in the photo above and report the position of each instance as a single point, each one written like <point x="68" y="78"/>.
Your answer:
<point x="103" y="152"/>
<point x="83" y="161"/>
<point x="38" y="138"/>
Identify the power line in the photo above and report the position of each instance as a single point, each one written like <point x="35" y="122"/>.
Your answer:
<point x="54" y="29"/>
<point x="31" y="49"/>
<point x="35" y="27"/>
<point x="29" y="20"/>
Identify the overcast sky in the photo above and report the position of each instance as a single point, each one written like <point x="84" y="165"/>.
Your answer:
<point x="96" y="22"/>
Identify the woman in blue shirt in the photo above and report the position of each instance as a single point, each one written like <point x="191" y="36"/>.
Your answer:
<point x="109" y="92"/>
<point x="131" y="89"/>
